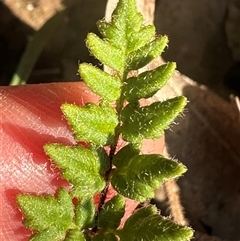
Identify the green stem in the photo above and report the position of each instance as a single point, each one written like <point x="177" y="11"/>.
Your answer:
<point x="112" y="151"/>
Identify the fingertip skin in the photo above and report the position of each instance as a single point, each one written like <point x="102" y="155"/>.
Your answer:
<point x="30" y="116"/>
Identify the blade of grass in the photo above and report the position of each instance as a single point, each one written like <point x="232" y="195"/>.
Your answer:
<point x="34" y="49"/>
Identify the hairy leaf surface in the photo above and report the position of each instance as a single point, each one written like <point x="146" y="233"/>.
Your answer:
<point x="141" y="57"/>
<point x="149" y="122"/>
<point x="129" y="40"/>
<point x="50" y="217"/>
<point x="75" y="235"/>
<point x="112" y="212"/>
<point x="85" y="213"/>
<point x="126" y="23"/>
<point x="105" y="236"/>
<point x="80" y="166"/>
<point x="142" y="174"/>
<point x="147" y="224"/>
<point x="121" y="159"/>
<point x="92" y="123"/>
<point x="105" y="52"/>
<point x="102" y="83"/>
<point x="148" y="83"/>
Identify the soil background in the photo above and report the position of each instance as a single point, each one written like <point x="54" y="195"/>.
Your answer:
<point x="204" y="38"/>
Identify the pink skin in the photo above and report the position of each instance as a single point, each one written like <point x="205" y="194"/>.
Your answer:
<point x="30" y="116"/>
